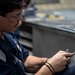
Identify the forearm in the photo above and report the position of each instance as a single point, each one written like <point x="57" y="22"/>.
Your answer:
<point x="54" y="64"/>
<point x="33" y="60"/>
<point x="33" y="64"/>
<point x="44" y="71"/>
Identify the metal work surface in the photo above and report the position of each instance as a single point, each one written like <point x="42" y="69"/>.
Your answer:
<point x="66" y="23"/>
<point x="53" y="32"/>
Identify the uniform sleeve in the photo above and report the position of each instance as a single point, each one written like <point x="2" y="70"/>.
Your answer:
<point x="6" y="69"/>
<point x="25" y="53"/>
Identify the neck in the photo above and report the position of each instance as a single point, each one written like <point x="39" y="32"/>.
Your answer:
<point x="2" y="35"/>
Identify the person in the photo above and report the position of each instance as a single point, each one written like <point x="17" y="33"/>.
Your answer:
<point x="17" y="31"/>
<point x="14" y="59"/>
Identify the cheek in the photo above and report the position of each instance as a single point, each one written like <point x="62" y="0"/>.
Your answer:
<point x="11" y="27"/>
<point x="9" y="24"/>
<point x="6" y="26"/>
<point x="3" y="24"/>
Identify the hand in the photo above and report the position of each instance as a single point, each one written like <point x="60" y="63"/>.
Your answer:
<point x="60" y="60"/>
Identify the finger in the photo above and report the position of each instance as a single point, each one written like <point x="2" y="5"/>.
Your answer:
<point x="68" y="58"/>
<point x="66" y="54"/>
<point x="65" y="61"/>
<point x="63" y="67"/>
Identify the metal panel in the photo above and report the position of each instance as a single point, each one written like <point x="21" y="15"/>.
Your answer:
<point x="47" y="41"/>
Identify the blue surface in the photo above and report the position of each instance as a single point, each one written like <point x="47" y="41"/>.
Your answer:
<point x="67" y="24"/>
<point x="70" y="14"/>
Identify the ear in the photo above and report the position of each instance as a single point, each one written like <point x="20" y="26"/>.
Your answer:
<point x="1" y="17"/>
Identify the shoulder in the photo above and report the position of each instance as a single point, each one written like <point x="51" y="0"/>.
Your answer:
<point x="2" y="56"/>
<point x="9" y="34"/>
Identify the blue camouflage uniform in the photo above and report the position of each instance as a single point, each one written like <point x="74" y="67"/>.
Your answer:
<point x="12" y="56"/>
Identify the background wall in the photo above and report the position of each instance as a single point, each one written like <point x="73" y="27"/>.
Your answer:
<point x="54" y="4"/>
<point x="46" y="1"/>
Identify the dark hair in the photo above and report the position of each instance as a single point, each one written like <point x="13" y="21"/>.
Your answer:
<point x="7" y="6"/>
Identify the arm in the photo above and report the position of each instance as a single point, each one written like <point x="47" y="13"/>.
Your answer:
<point x="58" y="62"/>
<point x="35" y="63"/>
<point x="44" y="71"/>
